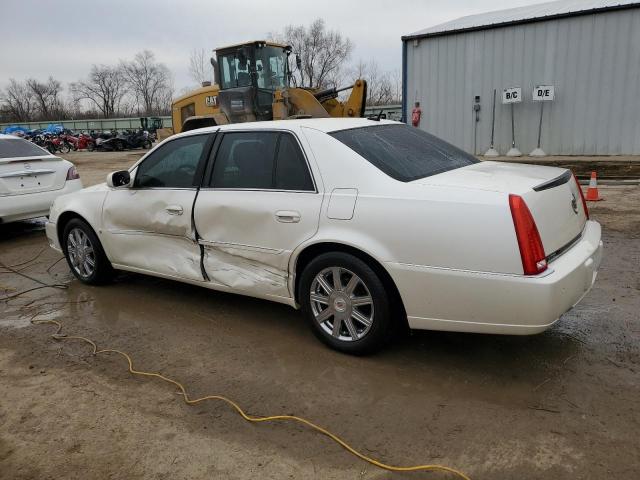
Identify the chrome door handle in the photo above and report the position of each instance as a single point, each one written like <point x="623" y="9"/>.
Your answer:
<point x="174" y="210"/>
<point x="287" y="216"/>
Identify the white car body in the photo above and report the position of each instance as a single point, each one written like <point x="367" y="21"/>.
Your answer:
<point x="32" y="180"/>
<point x="447" y="241"/>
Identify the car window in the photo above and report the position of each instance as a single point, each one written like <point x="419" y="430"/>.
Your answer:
<point x="292" y="172"/>
<point x="261" y="160"/>
<point x="173" y="165"/>
<point x="402" y="152"/>
<point x="245" y="160"/>
<point x="10" y="148"/>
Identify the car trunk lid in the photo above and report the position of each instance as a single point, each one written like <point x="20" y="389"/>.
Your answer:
<point x="550" y="193"/>
<point x="31" y="175"/>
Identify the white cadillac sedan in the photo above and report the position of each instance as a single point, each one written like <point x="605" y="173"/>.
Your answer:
<point x="31" y="178"/>
<point x="362" y="224"/>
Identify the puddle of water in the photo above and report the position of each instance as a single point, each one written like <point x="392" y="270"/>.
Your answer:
<point x="21" y="318"/>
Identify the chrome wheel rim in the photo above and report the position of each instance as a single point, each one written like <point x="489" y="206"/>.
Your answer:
<point x="81" y="254"/>
<point x="341" y="304"/>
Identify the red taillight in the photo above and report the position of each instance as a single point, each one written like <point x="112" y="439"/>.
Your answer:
<point x="72" y="174"/>
<point x="584" y="202"/>
<point x="531" y="249"/>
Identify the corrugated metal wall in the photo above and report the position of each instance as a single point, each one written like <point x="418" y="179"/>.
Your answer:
<point x="593" y="61"/>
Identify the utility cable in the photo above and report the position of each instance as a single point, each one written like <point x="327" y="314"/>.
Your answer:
<point x="59" y="336"/>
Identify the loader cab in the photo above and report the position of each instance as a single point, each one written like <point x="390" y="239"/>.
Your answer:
<point x="248" y="75"/>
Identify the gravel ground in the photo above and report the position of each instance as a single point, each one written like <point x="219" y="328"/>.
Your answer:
<point x="564" y="404"/>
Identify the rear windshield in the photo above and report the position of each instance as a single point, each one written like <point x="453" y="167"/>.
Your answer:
<point x="402" y="152"/>
<point x="18" y="147"/>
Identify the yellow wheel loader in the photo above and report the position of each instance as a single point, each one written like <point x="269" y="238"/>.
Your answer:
<point x="252" y="83"/>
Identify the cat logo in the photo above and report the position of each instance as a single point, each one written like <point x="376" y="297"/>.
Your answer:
<point x="211" y="101"/>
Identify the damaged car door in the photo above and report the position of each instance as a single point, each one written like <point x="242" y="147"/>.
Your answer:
<point x="148" y="224"/>
<point x="258" y="203"/>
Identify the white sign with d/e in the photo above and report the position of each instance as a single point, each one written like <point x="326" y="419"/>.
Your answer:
<point x="512" y="95"/>
<point x="544" y="93"/>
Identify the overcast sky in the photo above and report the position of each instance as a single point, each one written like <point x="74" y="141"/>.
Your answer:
<point x="42" y="38"/>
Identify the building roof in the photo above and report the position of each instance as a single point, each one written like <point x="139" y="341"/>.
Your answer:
<point x="527" y="14"/>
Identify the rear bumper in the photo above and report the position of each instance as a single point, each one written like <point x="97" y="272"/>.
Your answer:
<point x="456" y="300"/>
<point x="32" y="205"/>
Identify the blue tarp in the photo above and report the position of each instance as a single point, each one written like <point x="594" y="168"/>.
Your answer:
<point x="53" y="128"/>
<point x="14" y="129"/>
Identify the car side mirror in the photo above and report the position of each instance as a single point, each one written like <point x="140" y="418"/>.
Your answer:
<point x="121" y="178"/>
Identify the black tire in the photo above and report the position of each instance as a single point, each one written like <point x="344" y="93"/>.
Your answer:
<point x="91" y="146"/>
<point x="102" y="271"/>
<point x="146" y="144"/>
<point x="377" y="334"/>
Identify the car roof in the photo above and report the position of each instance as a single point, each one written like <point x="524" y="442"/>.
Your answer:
<point x="326" y="125"/>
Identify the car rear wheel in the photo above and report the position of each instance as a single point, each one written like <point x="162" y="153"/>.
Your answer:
<point x="345" y="303"/>
<point x="84" y="253"/>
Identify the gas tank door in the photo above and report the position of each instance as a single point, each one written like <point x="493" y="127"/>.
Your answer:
<point x="342" y="203"/>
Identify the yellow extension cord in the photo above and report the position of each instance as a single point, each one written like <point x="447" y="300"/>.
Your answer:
<point x="249" y="418"/>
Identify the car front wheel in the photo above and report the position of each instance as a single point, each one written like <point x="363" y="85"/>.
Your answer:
<point x="84" y="253"/>
<point x="345" y="303"/>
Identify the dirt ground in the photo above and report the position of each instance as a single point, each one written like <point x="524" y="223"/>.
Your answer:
<point x="564" y="404"/>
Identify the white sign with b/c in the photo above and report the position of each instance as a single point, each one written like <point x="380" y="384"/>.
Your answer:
<point x="512" y="95"/>
<point x="544" y="93"/>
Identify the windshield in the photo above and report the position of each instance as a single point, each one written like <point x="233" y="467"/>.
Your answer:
<point x="12" y="148"/>
<point x="268" y="66"/>
<point x="236" y="70"/>
<point x="402" y="152"/>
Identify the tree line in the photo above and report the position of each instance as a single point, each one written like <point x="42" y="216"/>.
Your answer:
<point x="141" y="86"/>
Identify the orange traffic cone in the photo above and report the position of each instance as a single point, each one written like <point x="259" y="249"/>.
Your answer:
<point x="592" y="191"/>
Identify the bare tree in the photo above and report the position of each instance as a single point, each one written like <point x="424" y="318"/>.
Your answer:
<point x="199" y="66"/>
<point x="150" y="81"/>
<point x="47" y="97"/>
<point x="105" y="87"/>
<point x="396" y="84"/>
<point x="380" y="88"/>
<point x="323" y="52"/>
<point x="16" y="103"/>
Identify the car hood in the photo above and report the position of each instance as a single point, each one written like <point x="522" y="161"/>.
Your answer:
<point x="494" y="176"/>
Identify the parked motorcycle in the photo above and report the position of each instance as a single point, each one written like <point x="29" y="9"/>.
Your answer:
<point x="126" y="140"/>
<point x="80" y="142"/>
<point x="55" y="144"/>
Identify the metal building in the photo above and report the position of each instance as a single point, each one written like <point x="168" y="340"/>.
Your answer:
<point x="589" y="50"/>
